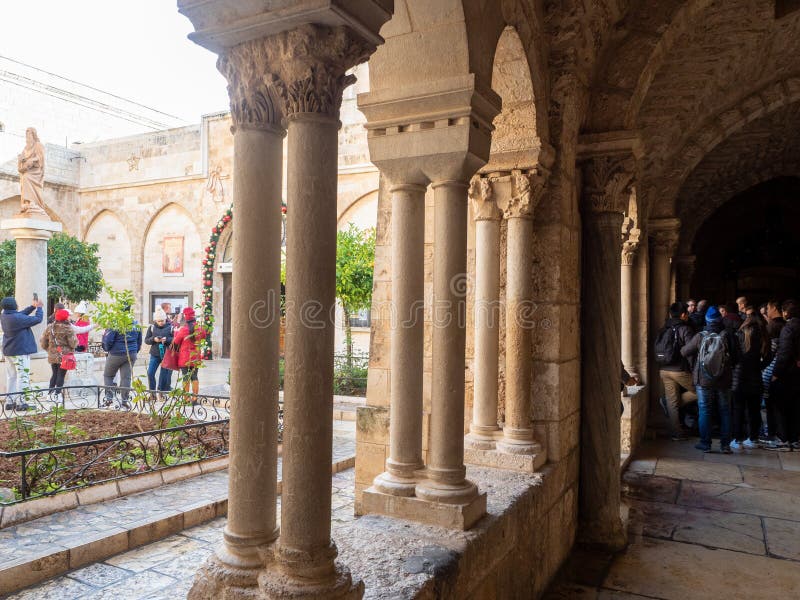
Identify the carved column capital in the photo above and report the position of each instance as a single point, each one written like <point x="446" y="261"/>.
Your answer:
<point x="311" y="62"/>
<point x="484" y="205"/>
<point x="607" y="181"/>
<point x="630" y="246"/>
<point x="664" y="234"/>
<point x="526" y="191"/>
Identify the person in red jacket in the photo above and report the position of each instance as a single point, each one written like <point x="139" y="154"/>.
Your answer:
<point x="187" y="341"/>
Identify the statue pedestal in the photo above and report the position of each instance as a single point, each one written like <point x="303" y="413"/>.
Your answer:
<point x="31" y="235"/>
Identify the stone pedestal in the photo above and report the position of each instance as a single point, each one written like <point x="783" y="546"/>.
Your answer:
<point x="31" y="235"/>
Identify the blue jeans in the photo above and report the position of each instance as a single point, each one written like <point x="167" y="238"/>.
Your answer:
<point x="164" y="376"/>
<point x="705" y="399"/>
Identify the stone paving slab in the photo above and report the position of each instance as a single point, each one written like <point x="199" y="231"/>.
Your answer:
<point x="42" y="548"/>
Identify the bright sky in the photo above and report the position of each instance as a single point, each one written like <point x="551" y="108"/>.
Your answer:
<point x="137" y="50"/>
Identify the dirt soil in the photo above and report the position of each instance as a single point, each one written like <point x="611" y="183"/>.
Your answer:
<point x="77" y="425"/>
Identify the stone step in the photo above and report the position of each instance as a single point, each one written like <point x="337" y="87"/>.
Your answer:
<point x="43" y="548"/>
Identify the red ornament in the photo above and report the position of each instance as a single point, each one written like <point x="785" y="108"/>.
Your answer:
<point x="208" y="283"/>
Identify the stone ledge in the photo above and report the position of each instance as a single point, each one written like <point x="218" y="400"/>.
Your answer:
<point x="524" y="463"/>
<point x="450" y="516"/>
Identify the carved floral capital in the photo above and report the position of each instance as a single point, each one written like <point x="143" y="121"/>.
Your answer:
<point x="630" y="246"/>
<point x="526" y="191"/>
<point x="484" y="206"/>
<point x="607" y="181"/>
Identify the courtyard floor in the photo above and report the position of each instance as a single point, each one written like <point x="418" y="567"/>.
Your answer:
<point x="701" y="526"/>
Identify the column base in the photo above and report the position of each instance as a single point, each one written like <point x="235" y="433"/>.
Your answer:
<point x="274" y="584"/>
<point x="529" y="461"/>
<point x="482" y="439"/>
<point x="218" y="580"/>
<point x="606" y="537"/>
<point x="451" y="516"/>
<point x="388" y="483"/>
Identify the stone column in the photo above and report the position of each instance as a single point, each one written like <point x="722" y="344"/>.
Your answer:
<point x="484" y="430"/>
<point x="446" y="482"/>
<point x="685" y="274"/>
<point x="405" y="420"/>
<point x="663" y="241"/>
<point x="518" y="211"/>
<point x="258" y="165"/>
<point x="606" y="180"/>
<point x="311" y="78"/>
<point x="31" y="235"/>
<point x="630" y="247"/>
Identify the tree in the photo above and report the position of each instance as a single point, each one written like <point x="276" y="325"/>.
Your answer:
<point x="355" y="261"/>
<point x="73" y="268"/>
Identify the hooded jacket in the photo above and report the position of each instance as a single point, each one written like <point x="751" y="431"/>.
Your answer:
<point x="17" y="335"/>
<point x="683" y="335"/>
<point x="692" y="349"/>
<point x="59" y="334"/>
<point x="788" y="353"/>
<point x="157" y="349"/>
<point x="116" y="342"/>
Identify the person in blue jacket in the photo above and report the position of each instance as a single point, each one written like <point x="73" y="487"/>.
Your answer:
<point x="122" y="348"/>
<point x="18" y="345"/>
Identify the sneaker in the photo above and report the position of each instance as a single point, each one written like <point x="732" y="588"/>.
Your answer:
<point x="703" y="447"/>
<point x="126" y="404"/>
<point x="795" y="446"/>
<point x="10" y="405"/>
<point x="777" y="445"/>
<point x="749" y="444"/>
<point x="108" y="402"/>
<point x="679" y="437"/>
<point x="735" y="445"/>
<point x="727" y="449"/>
<point x="663" y="402"/>
<point x="22" y="406"/>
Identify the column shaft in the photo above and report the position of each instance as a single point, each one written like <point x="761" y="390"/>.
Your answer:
<point x="660" y="270"/>
<point x="629" y="319"/>
<point x="446" y="482"/>
<point x="405" y="422"/>
<point x="487" y="326"/>
<point x="517" y="432"/>
<point x="255" y="324"/>
<point x="600" y="395"/>
<point x="305" y="543"/>
<point x="31" y="272"/>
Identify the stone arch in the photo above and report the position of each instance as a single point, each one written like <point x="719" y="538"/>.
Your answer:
<point x="172" y="220"/>
<point x="109" y="232"/>
<point x="363" y="211"/>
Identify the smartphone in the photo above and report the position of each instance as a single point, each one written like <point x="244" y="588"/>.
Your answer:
<point x="35" y="297"/>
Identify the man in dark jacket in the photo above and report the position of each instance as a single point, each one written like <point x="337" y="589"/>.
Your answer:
<point x="713" y="387"/>
<point x="122" y="348"/>
<point x="18" y="345"/>
<point x="698" y="317"/>
<point x="676" y="375"/>
<point x="785" y="383"/>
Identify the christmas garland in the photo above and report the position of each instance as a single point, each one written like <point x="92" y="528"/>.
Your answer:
<point x="208" y="270"/>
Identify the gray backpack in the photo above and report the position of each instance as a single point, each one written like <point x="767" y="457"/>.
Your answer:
<point x="714" y="355"/>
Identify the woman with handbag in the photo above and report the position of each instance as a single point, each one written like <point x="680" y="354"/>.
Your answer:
<point x="159" y="337"/>
<point x="60" y="341"/>
<point x="187" y="340"/>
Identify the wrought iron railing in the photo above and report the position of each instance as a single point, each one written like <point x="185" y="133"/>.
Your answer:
<point x="189" y="428"/>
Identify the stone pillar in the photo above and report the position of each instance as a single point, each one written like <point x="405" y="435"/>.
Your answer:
<point x="311" y="78"/>
<point x="258" y="165"/>
<point x="31" y="235"/>
<point x="405" y="421"/>
<point x="606" y="181"/>
<point x="518" y="211"/>
<point x="446" y="482"/>
<point x="685" y="273"/>
<point x="630" y="320"/>
<point x="663" y="241"/>
<point x="484" y="430"/>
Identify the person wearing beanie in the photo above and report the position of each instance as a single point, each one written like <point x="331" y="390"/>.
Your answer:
<point x="18" y="345"/>
<point x="58" y="339"/>
<point x="82" y="326"/>
<point x="159" y="337"/>
<point x="187" y="340"/>
<point x="713" y="353"/>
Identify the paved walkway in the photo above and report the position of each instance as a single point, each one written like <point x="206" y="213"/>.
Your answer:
<point x="162" y="569"/>
<point x="701" y="526"/>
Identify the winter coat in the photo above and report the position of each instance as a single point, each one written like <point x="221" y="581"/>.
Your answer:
<point x="788" y="353"/>
<point x="747" y="372"/>
<point x="82" y="329"/>
<point x="683" y="334"/>
<point x="698" y="320"/>
<point x="17" y="335"/>
<point x="115" y="342"/>
<point x="188" y="352"/>
<point x="59" y="334"/>
<point x="692" y="349"/>
<point x="157" y="349"/>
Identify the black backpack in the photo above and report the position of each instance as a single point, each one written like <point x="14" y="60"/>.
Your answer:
<point x="667" y="351"/>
